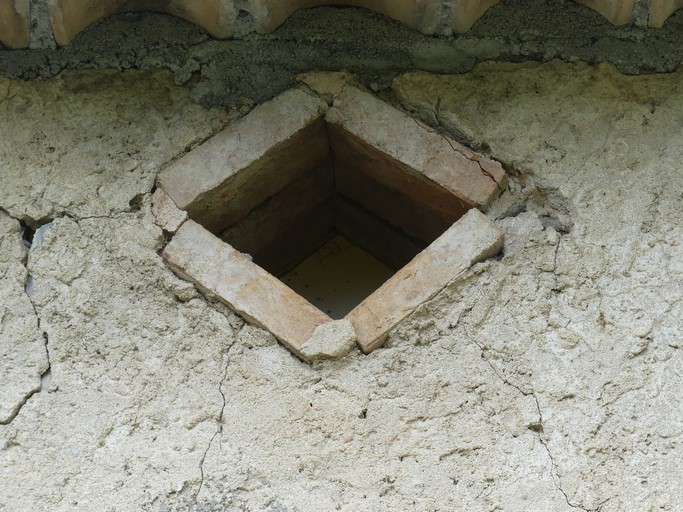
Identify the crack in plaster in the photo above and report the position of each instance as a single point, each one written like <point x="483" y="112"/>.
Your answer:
<point x="443" y="132"/>
<point x="219" y="429"/>
<point x="534" y="427"/>
<point x="5" y="96"/>
<point x="46" y="375"/>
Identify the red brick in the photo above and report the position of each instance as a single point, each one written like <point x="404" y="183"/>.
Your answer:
<point x="224" y="273"/>
<point x="473" y="238"/>
<point x="220" y="181"/>
<point x="424" y="15"/>
<point x="15" y="20"/>
<point x="280" y="213"/>
<point x="421" y="221"/>
<point x="366" y="131"/>
<point x="70" y="17"/>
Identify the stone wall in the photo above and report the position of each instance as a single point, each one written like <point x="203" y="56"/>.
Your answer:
<point x="24" y="22"/>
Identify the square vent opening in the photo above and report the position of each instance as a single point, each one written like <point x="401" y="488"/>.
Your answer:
<point x="331" y="217"/>
<point x="361" y="212"/>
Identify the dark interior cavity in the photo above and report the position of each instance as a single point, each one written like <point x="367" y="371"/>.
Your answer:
<point x="341" y="187"/>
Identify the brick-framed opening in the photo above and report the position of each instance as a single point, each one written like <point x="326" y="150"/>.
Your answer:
<point x="281" y="181"/>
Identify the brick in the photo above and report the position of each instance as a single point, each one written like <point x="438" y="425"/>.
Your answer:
<point x="306" y="234"/>
<point x="277" y="214"/>
<point x="617" y="12"/>
<point x="366" y="131"/>
<point x="70" y="17"/>
<point x="166" y="214"/>
<point x="423" y="15"/>
<point x="473" y="238"/>
<point x="223" y="272"/>
<point x="353" y="152"/>
<point x="266" y="183"/>
<point x="15" y="21"/>
<point x="467" y="12"/>
<point x="415" y="219"/>
<point x="660" y="10"/>
<point x="220" y="181"/>
<point x="375" y="236"/>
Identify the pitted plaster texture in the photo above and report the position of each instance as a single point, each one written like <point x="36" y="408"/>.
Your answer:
<point x="135" y="375"/>
<point x="84" y="149"/>
<point x="547" y="380"/>
<point x="590" y="321"/>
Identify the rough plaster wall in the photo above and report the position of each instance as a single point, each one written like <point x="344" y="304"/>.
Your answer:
<point x="589" y="322"/>
<point x="90" y="143"/>
<point x="548" y="381"/>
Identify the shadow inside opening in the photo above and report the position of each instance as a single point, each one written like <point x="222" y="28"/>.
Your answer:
<point x="337" y="277"/>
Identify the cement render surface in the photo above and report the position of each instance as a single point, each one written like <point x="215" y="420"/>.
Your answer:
<point x="549" y="380"/>
<point x="371" y="46"/>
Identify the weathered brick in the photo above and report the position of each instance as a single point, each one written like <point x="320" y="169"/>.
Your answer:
<point x="617" y="12"/>
<point x="473" y="238"/>
<point x="300" y="239"/>
<point x="401" y="210"/>
<point x="367" y="132"/>
<point x="278" y="213"/>
<point x="351" y="151"/>
<point x="266" y="182"/>
<point x="330" y="341"/>
<point x="15" y="20"/>
<point x="424" y="15"/>
<point x="660" y="10"/>
<point x="223" y="272"/>
<point x="70" y="17"/>
<point x="166" y="214"/>
<point x="220" y="181"/>
<point x="467" y="12"/>
<point x="375" y="236"/>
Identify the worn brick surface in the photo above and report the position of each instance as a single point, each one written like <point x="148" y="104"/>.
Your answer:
<point x="266" y="183"/>
<point x="70" y="17"/>
<point x="466" y="12"/>
<point x="220" y="181"/>
<point x="276" y="215"/>
<point x="424" y="15"/>
<point x="660" y="10"/>
<point x="330" y="341"/>
<point x="166" y="214"/>
<point x="399" y="209"/>
<point x="351" y="151"/>
<point x="392" y="146"/>
<point x="471" y="239"/>
<point x="225" y="273"/>
<point x="219" y="17"/>
<point x="14" y="23"/>
<point x="617" y="12"/>
<point x="326" y="84"/>
<point x="375" y="236"/>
